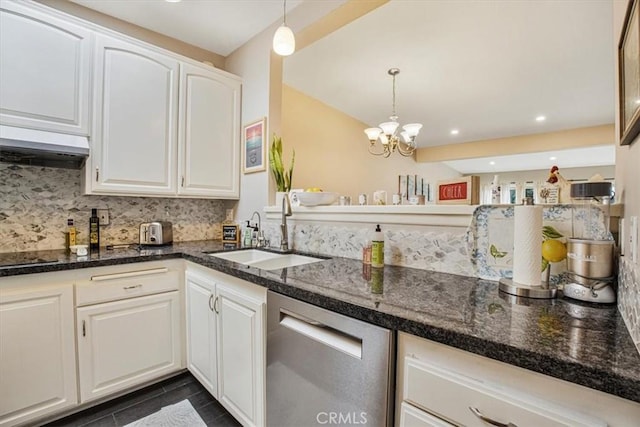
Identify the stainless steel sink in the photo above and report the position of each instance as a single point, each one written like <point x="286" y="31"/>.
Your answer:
<point x="266" y="260"/>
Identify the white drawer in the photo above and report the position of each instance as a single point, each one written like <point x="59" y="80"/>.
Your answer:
<point x="410" y="416"/>
<point x="451" y="396"/>
<point x="126" y="284"/>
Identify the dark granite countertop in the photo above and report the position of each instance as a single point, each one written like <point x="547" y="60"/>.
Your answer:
<point x="577" y="342"/>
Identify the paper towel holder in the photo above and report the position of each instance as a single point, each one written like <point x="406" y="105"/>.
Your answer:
<point x="544" y="291"/>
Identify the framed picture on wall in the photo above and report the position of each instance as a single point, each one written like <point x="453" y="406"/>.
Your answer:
<point x="629" y="74"/>
<point x="254" y="146"/>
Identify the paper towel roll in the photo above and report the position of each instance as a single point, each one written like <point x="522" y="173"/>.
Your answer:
<point x="527" y="245"/>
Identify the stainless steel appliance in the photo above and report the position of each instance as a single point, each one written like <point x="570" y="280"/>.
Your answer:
<point x="326" y="368"/>
<point x="156" y="233"/>
<point x="590" y="250"/>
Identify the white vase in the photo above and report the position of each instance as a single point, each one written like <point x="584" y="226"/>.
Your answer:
<point x="279" y="196"/>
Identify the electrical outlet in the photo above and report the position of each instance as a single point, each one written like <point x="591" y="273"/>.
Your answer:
<point x="633" y="239"/>
<point x="103" y="215"/>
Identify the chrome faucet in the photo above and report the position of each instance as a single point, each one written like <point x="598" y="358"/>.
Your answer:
<point x="284" y="234"/>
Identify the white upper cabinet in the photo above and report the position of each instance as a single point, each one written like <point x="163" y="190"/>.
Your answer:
<point x="209" y="129"/>
<point x="44" y="71"/>
<point x="135" y="120"/>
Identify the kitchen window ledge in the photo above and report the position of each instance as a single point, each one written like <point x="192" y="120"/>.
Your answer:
<point x="434" y="215"/>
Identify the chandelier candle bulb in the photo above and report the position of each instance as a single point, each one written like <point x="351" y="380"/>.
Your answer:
<point x="527" y="248"/>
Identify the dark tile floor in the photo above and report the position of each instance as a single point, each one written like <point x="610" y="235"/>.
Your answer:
<point x="139" y="404"/>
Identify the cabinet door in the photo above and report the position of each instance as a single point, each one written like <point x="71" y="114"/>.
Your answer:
<point x="134" y="147"/>
<point x="241" y="359"/>
<point x="124" y="343"/>
<point x="201" y="331"/>
<point x="44" y="71"/>
<point x="37" y="354"/>
<point x="209" y="135"/>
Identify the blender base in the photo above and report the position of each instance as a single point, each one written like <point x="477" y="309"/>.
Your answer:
<point x="544" y="291"/>
<point x="604" y="295"/>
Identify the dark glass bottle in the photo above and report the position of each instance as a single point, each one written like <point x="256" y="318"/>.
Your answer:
<point x="94" y="231"/>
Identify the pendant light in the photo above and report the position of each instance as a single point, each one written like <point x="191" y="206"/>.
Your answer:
<point x="284" y="42"/>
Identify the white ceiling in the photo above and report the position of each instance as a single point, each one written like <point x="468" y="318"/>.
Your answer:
<point x="484" y="67"/>
<point x="219" y="26"/>
<point x="577" y="157"/>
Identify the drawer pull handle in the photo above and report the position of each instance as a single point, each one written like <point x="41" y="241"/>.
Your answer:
<point x="215" y="305"/>
<point x="132" y="287"/>
<point x="84" y="329"/>
<point x="488" y="420"/>
<point x="210" y="302"/>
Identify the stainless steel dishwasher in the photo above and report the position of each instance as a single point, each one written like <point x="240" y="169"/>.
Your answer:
<point x="324" y="368"/>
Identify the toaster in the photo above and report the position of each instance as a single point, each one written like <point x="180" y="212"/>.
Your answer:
<point x="156" y="233"/>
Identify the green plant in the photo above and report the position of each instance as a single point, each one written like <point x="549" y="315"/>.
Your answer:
<point x="282" y="177"/>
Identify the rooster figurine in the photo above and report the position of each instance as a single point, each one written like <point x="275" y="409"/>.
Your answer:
<point x="563" y="185"/>
<point x="553" y="178"/>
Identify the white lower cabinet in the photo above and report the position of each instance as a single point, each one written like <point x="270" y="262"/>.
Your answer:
<point x="438" y="385"/>
<point x="201" y="331"/>
<point x="226" y="341"/>
<point x="37" y="351"/>
<point x="132" y="339"/>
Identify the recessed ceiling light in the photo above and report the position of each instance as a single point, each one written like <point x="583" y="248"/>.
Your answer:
<point x="638" y="101"/>
<point x="173" y="1"/>
<point x="492" y="163"/>
<point x="553" y="158"/>
<point x="454" y="131"/>
<point x="541" y="119"/>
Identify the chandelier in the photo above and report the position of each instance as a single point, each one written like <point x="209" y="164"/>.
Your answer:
<point x="387" y="132"/>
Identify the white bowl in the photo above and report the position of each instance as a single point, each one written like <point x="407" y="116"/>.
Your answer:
<point x="316" y="199"/>
<point x="79" y="249"/>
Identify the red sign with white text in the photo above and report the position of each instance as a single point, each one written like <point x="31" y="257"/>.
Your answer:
<point x="455" y="191"/>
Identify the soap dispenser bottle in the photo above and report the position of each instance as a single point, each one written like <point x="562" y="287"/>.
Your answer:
<point x="247" y="235"/>
<point x="377" y="248"/>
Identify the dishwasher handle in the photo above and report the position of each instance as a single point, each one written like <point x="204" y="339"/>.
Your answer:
<point x="321" y="333"/>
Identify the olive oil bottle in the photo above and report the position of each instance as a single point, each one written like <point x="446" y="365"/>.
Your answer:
<point x="94" y="231"/>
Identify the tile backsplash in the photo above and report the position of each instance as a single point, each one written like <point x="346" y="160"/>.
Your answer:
<point x="36" y="203"/>
<point x="629" y="297"/>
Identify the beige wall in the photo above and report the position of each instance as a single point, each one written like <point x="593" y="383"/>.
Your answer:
<point x="535" y="143"/>
<point x="332" y="151"/>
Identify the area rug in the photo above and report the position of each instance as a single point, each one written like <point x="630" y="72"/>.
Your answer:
<point x="181" y="414"/>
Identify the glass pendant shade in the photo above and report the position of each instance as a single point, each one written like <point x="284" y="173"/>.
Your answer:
<point x="373" y="133"/>
<point x="412" y="129"/>
<point x="389" y="127"/>
<point x="284" y="42"/>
